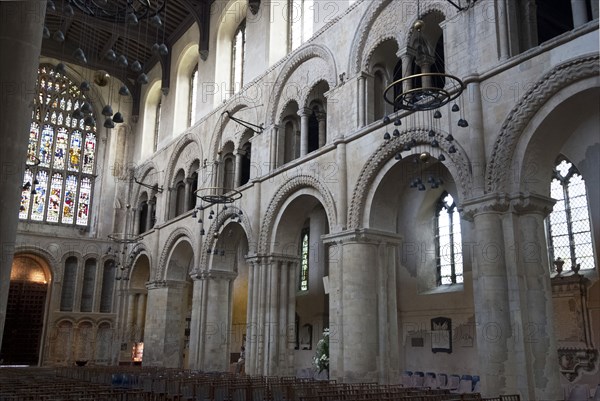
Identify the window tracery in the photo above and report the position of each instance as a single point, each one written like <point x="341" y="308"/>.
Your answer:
<point x="61" y="154"/>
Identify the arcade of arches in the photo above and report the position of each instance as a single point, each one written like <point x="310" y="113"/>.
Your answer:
<point x="328" y="228"/>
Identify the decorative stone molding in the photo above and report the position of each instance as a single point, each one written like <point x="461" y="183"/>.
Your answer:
<point x="153" y="285"/>
<point x="235" y="105"/>
<point x="215" y="274"/>
<point x="218" y="221"/>
<point x="157" y="284"/>
<point x="576" y="361"/>
<point x="175" y="236"/>
<point x="302" y="55"/>
<point x="141" y="173"/>
<point x="53" y="264"/>
<point x="494" y="203"/>
<point x="532" y="203"/>
<point x="185" y="152"/>
<point x="499" y="167"/>
<point x="288" y="188"/>
<point x="362" y="235"/>
<point x="387" y="150"/>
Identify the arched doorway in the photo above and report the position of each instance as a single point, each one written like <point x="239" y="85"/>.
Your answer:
<point x="25" y="312"/>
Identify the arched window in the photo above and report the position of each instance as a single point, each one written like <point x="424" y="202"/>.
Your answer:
<point x="89" y="286"/>
<point x="228" y="172"/>
<point x="157" y="125"/>
<point x="300" y="17"/>
<point x="61" y="156"/>
<point x="108" y="283"/>
<point x="448" y="242"/>
<point x="143" y="217"/>
<point x="246" y="163"/>
<point x="193" y="96"/>
<point x="67" y="295"/>
<point x="238" y="50"/>
<point x="568" y="226"/>
<point x="304" y="263"/>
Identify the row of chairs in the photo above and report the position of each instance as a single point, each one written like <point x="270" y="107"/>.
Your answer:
<point x="454" y="383"/>
<point x="159" y="384"/>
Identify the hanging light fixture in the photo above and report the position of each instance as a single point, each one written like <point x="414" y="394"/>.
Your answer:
<point x="421" y="96"/>
<point x="217" y="198"/>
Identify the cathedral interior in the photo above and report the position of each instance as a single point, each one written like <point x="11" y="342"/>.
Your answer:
<point x="187" y="184"/>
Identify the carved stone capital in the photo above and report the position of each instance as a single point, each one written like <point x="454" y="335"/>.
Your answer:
<point x="214" y="274"/>
<point x="493" y="203"/>
<point x="363" y="235"/>
<point x="154" y="285"/>
<point x="532" y="203"/>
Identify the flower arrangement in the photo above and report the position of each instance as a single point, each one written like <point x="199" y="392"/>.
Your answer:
<point x="321" y="359"/>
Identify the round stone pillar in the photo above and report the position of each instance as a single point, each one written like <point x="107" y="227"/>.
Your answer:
<point x="363" y="324"/>
<point x="490" y="288"/>
<point x="20" y="40"/>
<point x="217" y="324"/>
<point x="536" y="310"/>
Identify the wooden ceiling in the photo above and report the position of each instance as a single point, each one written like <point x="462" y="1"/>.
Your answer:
<point x="96" y="36"/>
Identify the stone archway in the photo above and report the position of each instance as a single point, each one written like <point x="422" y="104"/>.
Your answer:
<point x="26" y="311"/>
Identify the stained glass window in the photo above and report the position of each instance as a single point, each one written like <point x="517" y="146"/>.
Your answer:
<point x="304" y="254"/>
<point x="61" y="154"/>
<point x="568" y="226"/>
<point x="448" y="242"/>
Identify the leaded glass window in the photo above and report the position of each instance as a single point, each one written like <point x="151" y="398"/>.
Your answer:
<point x="448" y="242"/>
<point x="304" y="263"/>
<point x="157" y="125"/>
<point x="61" y="154"/>
<point x="568" y="226"/>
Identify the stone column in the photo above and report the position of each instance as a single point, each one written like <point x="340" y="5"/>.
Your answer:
<point x="579" y="9"/>
<point x="195" y="320"/>
<point x="361" y="112"/>
<point x="238" y="169"/>
<point x="165" y="324"/>
<point x="533" y="308"/>
<point x="304" y="113"/>
<point x="21" y="26"/>
<point x="151" y="213"/>
<point x="141" y="317"/>
<point x="252" y="311"/>
<point x="187" y="195"/>
<point x="490" y="288"/>
<point x="215" y="334"/>
<point x="502" y="17"/>
<point x="322" y="119"/>
<point x="131" y="308"/>
<point x="476" y="135"/>
<point x="363" y="306"/>
<point x="406" y="71"/>
<point x="342" y="181"/>
<point x="274" y="146"/>
<point x="426" y="81"/>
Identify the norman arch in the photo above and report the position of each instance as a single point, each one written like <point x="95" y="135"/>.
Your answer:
<point x="278" y="98"/>
<point x="459" y="167"/>
<point x="294" y="184"/>
<point x="501" y="160"/>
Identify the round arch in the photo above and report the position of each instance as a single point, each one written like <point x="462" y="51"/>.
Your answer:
<point x="216" y="226"/>
<point x="322" y="193"/>
<point x="291" y="65"/>
<point x="502" y="158"/>
<point x="180" y="234"/>
<point x="458" y="165"/>
<point x="187" y="150"/>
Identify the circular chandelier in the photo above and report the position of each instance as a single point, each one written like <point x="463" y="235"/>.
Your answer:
<point x="427" y="96"/>
<point x="219" y="198"/>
